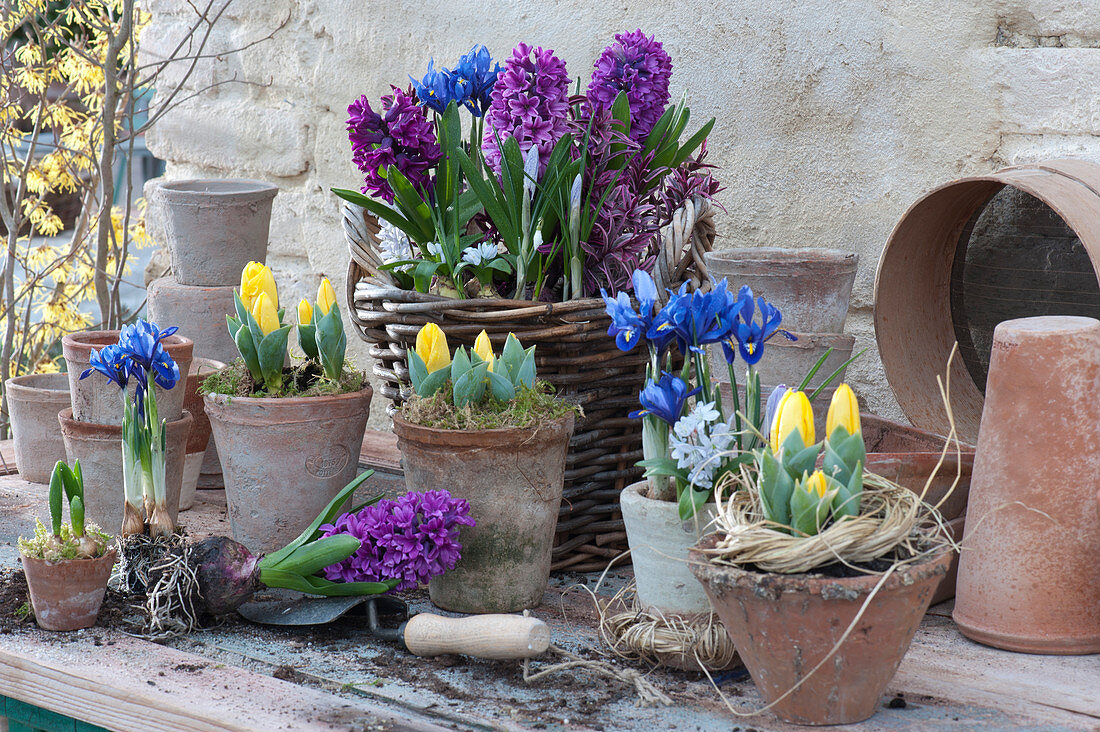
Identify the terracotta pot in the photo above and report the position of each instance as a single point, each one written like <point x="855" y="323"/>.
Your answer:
<point x="192" y="464"/>
<point x="284" y="459"/>
<point x="946" y="589"/>
<point x="659" y="543"/>
<point x="1029" y="579"/>
<point x="214" y="227"/>
<point x="512" y="479"/>
<point x="917" y="287"/>
<point x="811" y="287"/>
<point x="192" y="402"/>
<point x="784" y="625"/>
<point x="199" y="311"/>
<point x="67" y="595"/>
<point x="33" y="403"/>
<point x="96" y="400"/>
<point x="98" y="447"/>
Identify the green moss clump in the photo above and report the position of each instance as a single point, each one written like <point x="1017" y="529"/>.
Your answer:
<point x="43" y="545"/>
<point x="530" y="407"/>
<point x="304" y="379"/>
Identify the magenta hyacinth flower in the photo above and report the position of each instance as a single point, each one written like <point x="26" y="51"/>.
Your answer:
<point x="401" y="136"/>
<point x="530" y="102"/>
<point x="638" y="65"/>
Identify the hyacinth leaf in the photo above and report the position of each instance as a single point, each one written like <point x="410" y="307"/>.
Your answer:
<point x="502" y="388"/>
<point x="449" y="130"/>
<point x="332" y="510"/>
<point x="692" y="144"/>
<point x="490" y="196"/>
<point x="247" y="348"/>
<point x="775" y="486"/>
<point x="691" y="501"/>
<point x="657" y="134"/>
<point x="79" y="473"/>
<point x="383" y="212"/>
<point x="331" y="342"/>
<point x="314" y="556"/>
<point x="470" y="387"/>
<point x="56" y="490"/>
<point x="73" y="489"/>
<point x="314" y="585"/>
<point x="76" y="515"/>
<point x="418" y="212"/>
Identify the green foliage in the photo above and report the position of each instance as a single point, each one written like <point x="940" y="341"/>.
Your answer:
<point x="528" y="408"/>
<point x="264" y="354"/>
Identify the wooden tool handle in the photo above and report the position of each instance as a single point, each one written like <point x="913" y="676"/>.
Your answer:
<point x="496" y="637"/>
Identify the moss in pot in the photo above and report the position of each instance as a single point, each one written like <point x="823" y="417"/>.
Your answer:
<point x="484" y="427"/>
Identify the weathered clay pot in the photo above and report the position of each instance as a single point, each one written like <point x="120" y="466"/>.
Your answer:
<point x="33" y="403"/>
<point x="96" y="400"/>
<point x="284" y="459"/>
<point x="192" y="464"/>
<point x="98" y="447"/>
<point x="67" y="595"/>
<point x="1029" y="579"/>
<point x="512" y="479"/>
<point x="214" y="227"/>
<point x="946" y="589"/>
<point x="784" y="625"/>
<point x="811" y="287"/>
<point x="192" y="402"/>
<point x="199" y="311"/>
<point x="659" y="543"/>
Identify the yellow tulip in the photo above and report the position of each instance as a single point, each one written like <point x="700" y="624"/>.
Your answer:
<point x="431" y="345"/>
<point x="305" y="313"/>
<point x="794" y="413"/>
<point x="843" y="411"/>
<point x="773" y="434"/>
<point x="257" y="278"/>
<point x="326" y="296"/>
<point x="816" y="483"/>
<point x="484" y="349"/>
<point x="265" y="313"/>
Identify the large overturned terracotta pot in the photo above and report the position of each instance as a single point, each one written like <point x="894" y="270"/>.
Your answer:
<point x="512" y="479"/>
<point x="1029" y="579"/>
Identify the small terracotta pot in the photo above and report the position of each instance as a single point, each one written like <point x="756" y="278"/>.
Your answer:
<point x="192" y="401"/>
<point x="659" y="544"/>
<point x="512" y="479"/>
<point x="192" y="464"/>
<point x="1029" y="579"/>
<point x="98" y="447"/>
<point x="811" y="287"/>
<point x="214" y="227"/>
<point x="784" y="625"/>
<point x="199" y="311"/>
<point x="67" y="595"/>
<point x="284" y="459"/>
<point x="33" y="403"/>
<point x="96" y="400"/>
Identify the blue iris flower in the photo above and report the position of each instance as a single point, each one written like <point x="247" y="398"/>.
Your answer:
<point x="627" y="326"/>
<point x="434" y="90"/>
<point x="665" y="398"/>
<point x="478" y="75"/>
<point x="113" y="362"/>
<point x="142" y="342"/>
<point x="751" y="335"/>
<point x="694" y="318"/>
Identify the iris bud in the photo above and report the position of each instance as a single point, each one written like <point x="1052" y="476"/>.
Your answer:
<point x="305" y="313"/>
<point x="265" y="313"/>
<point x="326" y="296"/>
<point x="794" y="413"/>
<point x="257" y="278"/>
<point x="484" y="349"/>
<point x="431" y="346"/>
<point x="843" y="411"/>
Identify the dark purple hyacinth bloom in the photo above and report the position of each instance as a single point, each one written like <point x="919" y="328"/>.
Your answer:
<point x="638" y="65"/>
<point x="411" y="539"/>
<point x="401" y="136"/>
<point x="530" y="102"/>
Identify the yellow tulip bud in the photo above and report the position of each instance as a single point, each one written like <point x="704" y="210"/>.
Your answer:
<point x="774" y="432"/>
<point x="305" y="313"/>
<point x="265" y="313"/>
<point x="816" y="483"/>
<point x="431" y="346"/>
<point x="257" y="278"/>
<point x="484" y="349"/>
<point x="795" y="413"/>
<point x="843" y="411"/>
<point x="326" y="296"/>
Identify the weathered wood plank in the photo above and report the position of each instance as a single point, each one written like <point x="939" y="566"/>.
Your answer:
<point x="380" y="451"/>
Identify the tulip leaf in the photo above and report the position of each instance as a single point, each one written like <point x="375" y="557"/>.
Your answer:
<point x="247" y="348"/>
<point x="418" y="370"/>
<point x="526" y="375"/>
<point x="801" y="461"/>
<point x="331" y="342"/>
<point x="775" y="485"/>
<point x="307" y="340"/>
<point x="512" y="355"/>
<point x="433" y="382"/>
<point x="272" y="356"/>
<point x="238" y="304"/>
<point x="460" y="364"/>
<point x="501" y="387"/>
<point x="470" y="387"/>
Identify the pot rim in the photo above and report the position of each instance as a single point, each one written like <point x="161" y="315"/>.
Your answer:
<point x="169" y="280"/>
<point x="808" y="583"/>
<point x="111" y="553"/>
<point x="16" y="387"/>
<point x="199" y="365"/>
<point x="222" y="405"/>
<point x="499" y="436"/>
<point x="82" y="342"/>
<point x="198" y="190"/>
<point x="96" y="431"/>
<point x="815" y="257"/>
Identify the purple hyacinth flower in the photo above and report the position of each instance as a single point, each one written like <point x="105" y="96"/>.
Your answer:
<point x="637" y="64"/>
<point x="401" y="136"/>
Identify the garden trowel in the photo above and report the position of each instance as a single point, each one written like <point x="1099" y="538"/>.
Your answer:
<point x="493" y="637"/>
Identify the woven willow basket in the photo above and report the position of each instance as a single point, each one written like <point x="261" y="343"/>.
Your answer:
<point x="573" y="353"/>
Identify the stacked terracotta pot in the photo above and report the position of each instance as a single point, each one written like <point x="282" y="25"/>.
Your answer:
<point x="212" y="229"/>
<point x="812" y="289"/>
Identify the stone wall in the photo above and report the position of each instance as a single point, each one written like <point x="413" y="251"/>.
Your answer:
<point x="833" y="115"/>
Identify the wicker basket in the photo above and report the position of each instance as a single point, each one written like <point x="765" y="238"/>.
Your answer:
<point x="573" y="353"/>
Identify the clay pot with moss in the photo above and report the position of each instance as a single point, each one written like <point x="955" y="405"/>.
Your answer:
<point x="497" y="439"/>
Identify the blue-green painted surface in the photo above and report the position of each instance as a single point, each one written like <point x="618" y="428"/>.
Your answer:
<point x="23" y="717"/>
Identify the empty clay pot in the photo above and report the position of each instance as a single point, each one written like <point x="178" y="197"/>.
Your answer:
<point x="33" y="403"/>
<point x="284" y="459"/>
<point x="512" y="479"/>
<point x="192" y="464"/>
<point x="96" y="400"/>
<point x="98" y="447"/>
<point x="67" y="595"/>
<point x="199" y="311"/>
<point x="811" y="287"/>
<point x="214" y="227"/>
<point x="659" y="543"/>
<point x="1029" y="579"/>
<point x="784" y="625"/>
<point x="192" y="402"/>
